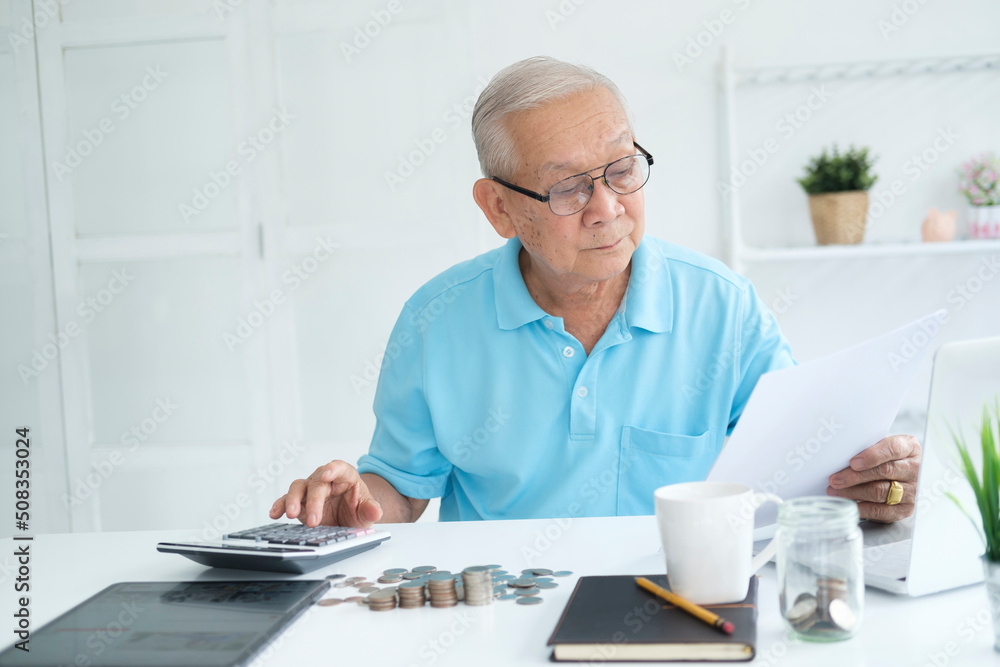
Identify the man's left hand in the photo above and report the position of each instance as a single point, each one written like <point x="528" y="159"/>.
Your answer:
<point x="894" y="458"/>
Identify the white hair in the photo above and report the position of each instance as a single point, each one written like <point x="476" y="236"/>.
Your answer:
<point x="527" y="84"/>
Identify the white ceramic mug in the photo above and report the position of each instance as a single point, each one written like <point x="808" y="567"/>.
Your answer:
<point x="707" y="534"/>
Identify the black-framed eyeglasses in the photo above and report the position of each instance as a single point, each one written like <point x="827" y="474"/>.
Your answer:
<point x="571" y="195"/>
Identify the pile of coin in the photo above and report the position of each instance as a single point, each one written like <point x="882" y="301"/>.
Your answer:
<point x="384" y="600"/>
<point x="411" y="594"/>
<point x="478" y="585"/>
<point x="441" y="588"/>
<point x="828" y="612"/>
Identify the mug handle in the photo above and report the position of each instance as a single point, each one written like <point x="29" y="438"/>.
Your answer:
<point x="767" y="553"/>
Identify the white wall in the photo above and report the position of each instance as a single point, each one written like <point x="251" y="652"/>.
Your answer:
<point x="302" y="377"/>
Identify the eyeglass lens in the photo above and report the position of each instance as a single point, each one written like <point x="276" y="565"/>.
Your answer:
<point x="624" y="176"/>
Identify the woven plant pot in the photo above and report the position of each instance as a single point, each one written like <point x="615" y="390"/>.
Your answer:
<point x="839" y="217"/>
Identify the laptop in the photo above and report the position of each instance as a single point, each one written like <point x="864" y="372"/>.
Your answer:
<point x="939" y="547"/>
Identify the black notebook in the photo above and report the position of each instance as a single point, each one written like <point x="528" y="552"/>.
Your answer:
<point x="611" y="618"/>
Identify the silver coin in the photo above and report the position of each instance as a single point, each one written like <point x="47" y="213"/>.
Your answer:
<point x="330" y="602"/>
<point x="527" y="591"/>
<point x="804" y="596"/>
<point x="541" y="572"/>
<point x="522" y="582"/>
<point x="411" y="584"/>
<point x="499" y="589"/>
<point x="842" y="615"/>
<point x="389" y="579"/>
<point x="361" y="584"/>
<point x="562" y="573"/>
<point x="331" y="577"/>
<point x="544" y="579"/>
<point x="497" y="573"/>
<point x="395" y="570"/>
<point x="547" y="584"/>
<point x="801" y="610"/>
<point x="368" y="589"/>
<point x="527" y="572"/>
<point x="529" y="600"/>
<point x="354" y="580"/>
<point x="507" y="596"/>
<point x="504" y="577"/>
<point x="424" y="569"/>
<point x="412" y="576"/>
<point x="441" y="576"/>
<point x="494" y="567"/>
<point x="477" y="569"/>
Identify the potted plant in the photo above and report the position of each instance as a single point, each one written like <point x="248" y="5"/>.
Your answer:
<point x="837" y="185"/>
<point x="986" y="488"/>
<point x="979" y="181"/>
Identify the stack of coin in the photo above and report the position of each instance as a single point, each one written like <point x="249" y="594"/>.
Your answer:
<point x="383" y="600"/>
<point x="523" y="583"/>
<point x="829" y="589"/>
<point x="441" y="587"/>
<point x="478" y="585"/>
<point x="411" y="595"/>
<point x="392" y="576"/>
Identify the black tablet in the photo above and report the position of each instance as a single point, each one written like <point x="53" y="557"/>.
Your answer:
<point x="169" y="623"/>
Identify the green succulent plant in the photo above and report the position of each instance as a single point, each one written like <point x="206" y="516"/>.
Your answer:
<point x="839" y="172"/>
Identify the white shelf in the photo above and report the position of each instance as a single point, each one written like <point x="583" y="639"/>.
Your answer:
<point x="732" y="77"/>
<point x="863" y="250"/>
<point x="860" y="70"/>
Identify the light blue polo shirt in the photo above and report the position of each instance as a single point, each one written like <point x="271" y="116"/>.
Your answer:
<point x="485" y="400"/>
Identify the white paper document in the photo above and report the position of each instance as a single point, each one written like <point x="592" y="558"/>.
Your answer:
<point x="804" y="423"/>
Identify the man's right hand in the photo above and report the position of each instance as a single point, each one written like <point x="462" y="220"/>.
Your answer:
<point x="334" y="495"/>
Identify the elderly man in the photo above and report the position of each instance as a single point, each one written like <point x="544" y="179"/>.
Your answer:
<point x="581" y="365"/>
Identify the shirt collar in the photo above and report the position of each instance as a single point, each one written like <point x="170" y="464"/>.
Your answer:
<point x="648" y="299"/>
<point x="515" y="307"/>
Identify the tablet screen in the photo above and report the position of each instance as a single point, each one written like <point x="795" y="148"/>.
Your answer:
<point x="169" y="623"/>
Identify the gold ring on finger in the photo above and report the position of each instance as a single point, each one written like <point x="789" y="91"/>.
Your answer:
<point x="895" y="494"/>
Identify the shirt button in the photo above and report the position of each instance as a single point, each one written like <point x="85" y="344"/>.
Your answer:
<point x="568" y="352"/>
<point x="549" y="325"/>
<point x="582" y="392"/>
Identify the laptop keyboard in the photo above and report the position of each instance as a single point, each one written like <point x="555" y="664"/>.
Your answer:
<point x="299" y="534"/>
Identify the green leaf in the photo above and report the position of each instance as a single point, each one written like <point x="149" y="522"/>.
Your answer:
<point x="985" y="488"/>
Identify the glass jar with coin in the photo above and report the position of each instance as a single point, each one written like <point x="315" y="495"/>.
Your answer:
<point x="820" y="578"/>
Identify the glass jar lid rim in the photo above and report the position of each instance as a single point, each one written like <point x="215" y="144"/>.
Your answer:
<point x="809" y="509"/>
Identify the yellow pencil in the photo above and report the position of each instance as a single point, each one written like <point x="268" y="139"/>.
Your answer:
<point x="714" y="620"/>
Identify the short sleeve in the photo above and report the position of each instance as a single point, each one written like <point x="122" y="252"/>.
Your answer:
<point x="404" y="450"/>
<point x="762" y="348"/>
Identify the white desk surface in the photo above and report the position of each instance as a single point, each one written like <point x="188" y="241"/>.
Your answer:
<point x="66" y="569"/>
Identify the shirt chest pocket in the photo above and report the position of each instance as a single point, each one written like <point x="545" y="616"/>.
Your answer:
<point x="650" y="459"/>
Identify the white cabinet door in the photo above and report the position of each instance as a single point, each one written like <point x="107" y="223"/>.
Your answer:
<point x="29" y="347"/>
<point x="147" y="113"/>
